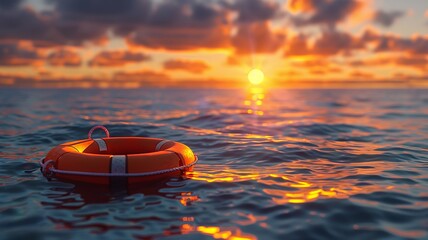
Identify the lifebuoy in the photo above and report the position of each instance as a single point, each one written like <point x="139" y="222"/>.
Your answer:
<point x="100" y="160"/>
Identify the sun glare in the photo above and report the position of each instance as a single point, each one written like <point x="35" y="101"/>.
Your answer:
<point x="256" y="76"/>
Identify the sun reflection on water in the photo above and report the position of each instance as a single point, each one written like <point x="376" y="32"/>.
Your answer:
<point x="215" y="232"/>
<point x="254" y="100"/>
<point x="302" y="181"/>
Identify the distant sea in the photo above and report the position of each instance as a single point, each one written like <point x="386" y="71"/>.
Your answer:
<point x="274" y="164"/>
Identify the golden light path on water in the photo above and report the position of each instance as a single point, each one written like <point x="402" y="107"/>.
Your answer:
<point x="326" y="180"/>
<point x="290" y="182"/>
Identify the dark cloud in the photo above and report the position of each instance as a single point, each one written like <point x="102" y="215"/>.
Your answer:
<point x="257" y="37"/>
<point x="186" y="65"/>
<point x="117" y="58"/>
<point x="172" y="25"/>
<point x="255" y="10"/>
<point x="46" y="29"/>
<point x="122" y="16"/>
<point x="387" y="19"/>
<point x="184" y="25"/>
<point x="330" y="43"/>
<point x="181" y="39"/>
<point x="98" y="9"/>
<point x="9" y="4"/>
<point x="327" y="12"/>
<point x="64" y="57"/>
<point x="13" y="55"/>
<point x="335" y="42"/>
<point x="417" y="45"/>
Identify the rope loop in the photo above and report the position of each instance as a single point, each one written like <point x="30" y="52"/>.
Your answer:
<point x="98" y="127"/>
<point x="47" y="168"/>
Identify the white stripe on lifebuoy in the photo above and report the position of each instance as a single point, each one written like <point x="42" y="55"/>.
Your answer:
<point x="160" y="144"/>
<point x="101" y="144"/>
<point x="118" y="164"/>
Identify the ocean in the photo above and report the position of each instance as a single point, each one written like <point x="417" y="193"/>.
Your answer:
<point x="273" y="164"/>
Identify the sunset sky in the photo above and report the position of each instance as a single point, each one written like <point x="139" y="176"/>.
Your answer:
<point x="138" y="43"/>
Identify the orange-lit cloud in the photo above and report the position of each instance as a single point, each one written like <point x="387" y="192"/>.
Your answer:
<point x="361" y="75"/>
<point x="117" y="58"/>
<point x="13" y="55"/>
<point x="64" y="57"/>
<point x="141" y="76"/>
<point x="296" y="6"/>
<point x="186" y="65"/>
<point x="297" y="46"/>
<point x="407" y="61"/>
<point x="327" y="12"/>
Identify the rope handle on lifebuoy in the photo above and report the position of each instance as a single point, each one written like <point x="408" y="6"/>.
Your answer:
<point x="98" y="127"/>
<point x="47" y="167"/>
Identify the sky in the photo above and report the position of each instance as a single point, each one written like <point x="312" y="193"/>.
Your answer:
<point x="209" y="43"/>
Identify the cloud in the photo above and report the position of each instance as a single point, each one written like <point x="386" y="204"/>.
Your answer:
<point x="64" y="57"/>
<point x="409" y="61"/>
<point x="333" y="43"/>
<point x="297" y="46"/>
<point x="170" y="25"/>
<point x="141" y="76"/>
<point x="391" y="43"/>
<point x="257" y="37"/>
<point x="387" y="19"/>
<point x="186" y="65"/>
<point x="406" y="76"/>
<point x="10" y="4"/>
<point x="361" y="75"/>
<point x="317" y="66"/>
<point x="154" y="24"/>
<point x="184" y="25"/>
<point x="327" y="12"/>
<point x="255" y="10"/>
<point x="14" y="55"/>
<point x="117" y="58"/>
<point x="330" y="43"/>
<point x="46" y="29"/>
<point x="181" y="39"/>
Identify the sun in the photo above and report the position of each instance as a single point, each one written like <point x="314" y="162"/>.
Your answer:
<point x="256" y="76"/>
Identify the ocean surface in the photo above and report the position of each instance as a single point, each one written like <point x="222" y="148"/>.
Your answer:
<point x="274" y="164"/>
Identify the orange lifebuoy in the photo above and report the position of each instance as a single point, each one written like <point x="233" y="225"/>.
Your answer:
<point x="134" y="158"/>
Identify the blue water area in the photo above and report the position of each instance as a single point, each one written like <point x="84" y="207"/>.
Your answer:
<point x="274" y="164"/>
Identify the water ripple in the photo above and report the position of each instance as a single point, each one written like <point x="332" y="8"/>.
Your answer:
<point x="274" y="164"/>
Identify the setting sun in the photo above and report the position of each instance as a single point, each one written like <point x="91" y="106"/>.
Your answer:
<point x="256" y="76"/>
